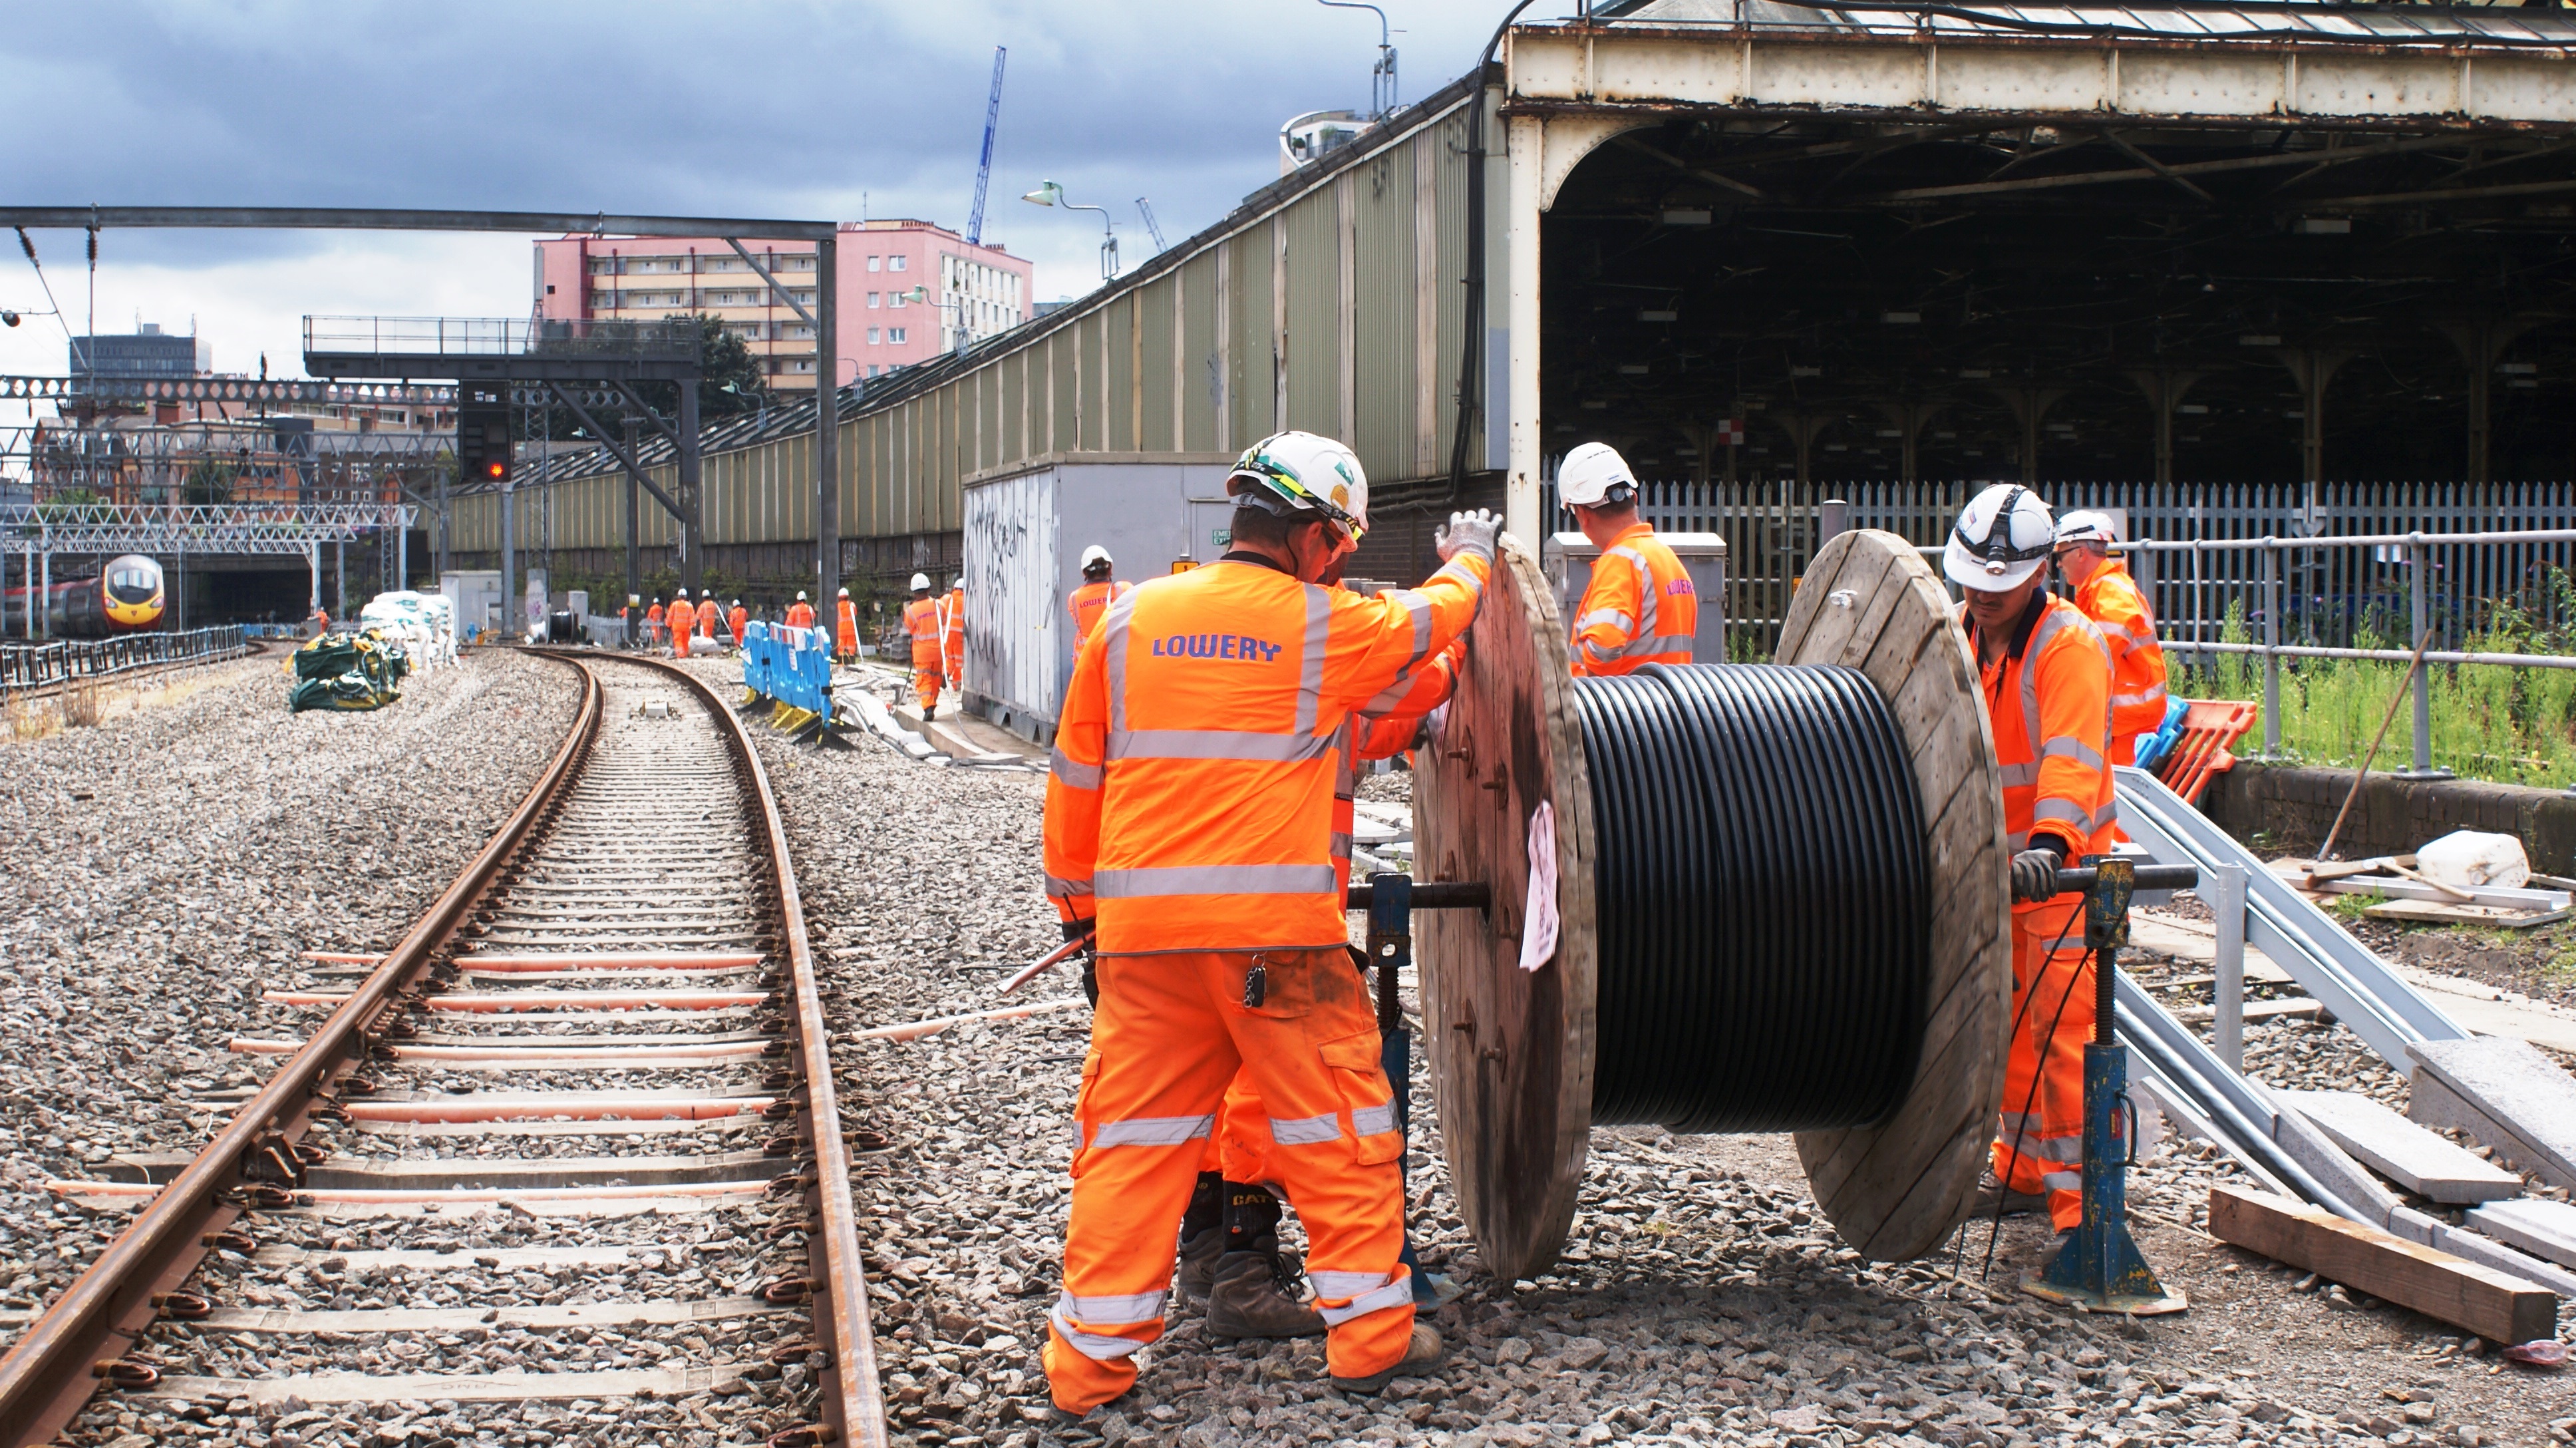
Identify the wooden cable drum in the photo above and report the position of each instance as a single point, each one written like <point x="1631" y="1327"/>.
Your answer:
<point x="1781" y="899"/>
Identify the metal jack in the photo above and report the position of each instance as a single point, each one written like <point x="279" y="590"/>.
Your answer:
<point x="1390" y="948"/>
<point x="2100" y="1268"/>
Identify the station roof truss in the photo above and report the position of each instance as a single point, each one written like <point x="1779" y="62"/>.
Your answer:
<point x="1880" y="277"/>
<point x="248" y="391"/>
<point x="168" y="529"/>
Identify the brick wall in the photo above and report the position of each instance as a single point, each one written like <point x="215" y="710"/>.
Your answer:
<point x="2295" y="807"/>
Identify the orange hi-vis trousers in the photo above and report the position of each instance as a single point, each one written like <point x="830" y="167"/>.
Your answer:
<point x="2041" y="1144"/>
<point x="1170" y="1035"/>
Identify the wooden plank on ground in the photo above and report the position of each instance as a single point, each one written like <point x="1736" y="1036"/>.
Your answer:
<point x="2402" y="1151"/>
<point x="2438" y="912"/>
<point x="2479" y="1299"/>
<point x="2520" y="1090"/>
<point x="2542" y="1228"/>
<point x="2291" y="1008"/>
<point x="431" y="1387"/>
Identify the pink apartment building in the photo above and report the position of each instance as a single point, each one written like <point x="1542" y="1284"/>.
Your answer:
<point x="967" y="291"/>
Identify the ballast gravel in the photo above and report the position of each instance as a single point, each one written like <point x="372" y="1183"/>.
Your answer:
<point x="1702" y="1298"/>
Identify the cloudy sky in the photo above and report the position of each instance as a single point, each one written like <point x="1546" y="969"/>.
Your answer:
<point x="789" y="108"/>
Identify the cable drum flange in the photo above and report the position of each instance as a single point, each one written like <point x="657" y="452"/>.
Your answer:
<point x="1782" y="904"/>
<point x="1763" y="908"/>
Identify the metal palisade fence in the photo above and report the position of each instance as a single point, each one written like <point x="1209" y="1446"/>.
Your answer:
<point x="38" y="665"/>
<point x="2325" y="594"/>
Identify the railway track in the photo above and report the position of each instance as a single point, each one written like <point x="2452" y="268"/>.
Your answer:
<point x="573" y="1140"/>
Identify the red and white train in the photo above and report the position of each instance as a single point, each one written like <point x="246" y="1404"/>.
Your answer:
<point x="124" y="597"/>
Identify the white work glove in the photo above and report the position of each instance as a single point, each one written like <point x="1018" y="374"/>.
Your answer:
<point x="1468" y="533"/>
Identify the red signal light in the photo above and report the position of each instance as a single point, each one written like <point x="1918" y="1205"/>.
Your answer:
<point x="496" y="470"/>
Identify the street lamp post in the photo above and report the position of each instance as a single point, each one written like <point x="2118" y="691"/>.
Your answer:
<point x="1050" y="194"/>
<point x="922" y="296"/>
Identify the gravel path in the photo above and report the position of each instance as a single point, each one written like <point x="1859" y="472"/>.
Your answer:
<point x="175" y="861"/>
<point x="1702" y="1298"/>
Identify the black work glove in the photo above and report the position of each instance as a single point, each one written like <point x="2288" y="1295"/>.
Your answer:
<point x="2034" y="874"/>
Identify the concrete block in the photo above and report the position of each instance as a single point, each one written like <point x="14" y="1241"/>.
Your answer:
<point x="2504" y="1093"/>
<point x="2402" y="1151"/>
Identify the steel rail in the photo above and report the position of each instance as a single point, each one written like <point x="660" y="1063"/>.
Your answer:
<point x="63" y="1359"/>
<point x="853" y="1398"/>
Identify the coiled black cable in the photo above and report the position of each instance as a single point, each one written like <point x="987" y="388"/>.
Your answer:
<point x="1764" y="905"/>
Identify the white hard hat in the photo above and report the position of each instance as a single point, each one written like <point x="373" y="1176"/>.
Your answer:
<point x="1299" y="472"/>
<point x="919" y="582"/>
<point x="958" y="582"/>
<point x="2087" y="526"/>
<point x="845" y="593"/>
<point x="800" y="595"/>
<point x="1594" y="474"/>
<point x="1093" y="557"/>
<point x="2001" y="538"/>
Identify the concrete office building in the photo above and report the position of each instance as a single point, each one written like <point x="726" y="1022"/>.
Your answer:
<point x="969" y="292"/>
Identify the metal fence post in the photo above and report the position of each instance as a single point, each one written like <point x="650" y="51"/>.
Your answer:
<point x="1833" y="516"/>
<point x="2418" y="623"/>
<point x="2271" y="645"/>
<point x="2227" y="903"/>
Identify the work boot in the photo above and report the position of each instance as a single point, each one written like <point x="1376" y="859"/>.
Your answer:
<point x="1422" y="1355"/>
<point x="1255" y="1295"/>
<point x="929" y="712"/>
<point x="1202" y="1237"/>
<point x="1992" y="1194"/>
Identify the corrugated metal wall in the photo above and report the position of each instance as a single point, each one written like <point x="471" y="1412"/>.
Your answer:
<point x="1336" y="309"/>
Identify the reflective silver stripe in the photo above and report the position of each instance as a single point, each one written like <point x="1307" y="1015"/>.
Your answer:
<point x="1310" y="665"/>
<point x="2155" y="694"/>
<point x="1341" y="847"/>
<point x="2062" y="1181"/>
<point x="1305" y="1130"/>
<point x="1071" y="774"/>
<point x="1247" y="745"/>
<point x="2067" y="746"/>
<point x="1152" y="1131"/>
<point x="1618" y="617"/>
<point x="1652" y="606"/>
<point x="2057" y="616"/>
<point x="1111" y="1311"/>
<point x="1346" y="1284"/>
<point x="1383" y="702"/>
<point x="1420" y="608"/>
<point x="1114" y="623"/>
<point x="1147" y="884"/>
<point x="1373" y="1120"/>
<point x="1059" y="888"/>
<point x="1096" y="1346"/>
<point x="1393" y="1294"/>
<point x="2066" y="811"/>
<point x="1657" y="644"/>
<point x="2017" y="774"/>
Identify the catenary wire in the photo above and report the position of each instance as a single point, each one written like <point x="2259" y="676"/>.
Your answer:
<point x="1764" y="903"/>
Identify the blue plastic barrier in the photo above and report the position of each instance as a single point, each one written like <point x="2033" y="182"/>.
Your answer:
<point x="789" y="665"/>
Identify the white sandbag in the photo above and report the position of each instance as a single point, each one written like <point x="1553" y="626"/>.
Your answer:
<point x="2468" y="860"/>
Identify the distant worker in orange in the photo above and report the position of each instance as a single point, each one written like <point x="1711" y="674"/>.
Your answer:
<point x="710" y="617"/>
<point x="921" y="621"/>
<point x="736" y="620"/>
<point x="2047" y="681"/>
<point x="1640" y="607"/>
<point x="1189" y="815"/>
<point x="1098" y="591"/>
<point x="682" y="619"/>
<point x="653" y="624"/>
<point x="800" y="614"/>
<point x="952" y="635"/>
<point x="2111" y="598"/>
<point x="848" y="634"/>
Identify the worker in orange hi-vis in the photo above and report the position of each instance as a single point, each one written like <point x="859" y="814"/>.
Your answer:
<point x="800" y="614"/>
<point x="683" y="620"/>
<point x="2118" y="607"/>
<point x="1189" y="817"/>
<point x="1640" y="607"/>
<point x="2047" y="681"/>
<point x="710" y="617"/>
<point x="846" y="632"/>
<point x="921" y="626"/>
<point x="952" y="634"/>
<point x="737" y="620"/>
<point x="1097" y="591"/>
<point x="653" y="624"/>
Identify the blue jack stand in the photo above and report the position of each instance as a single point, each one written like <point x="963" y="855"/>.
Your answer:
<point x="2100" y="1269"/>
<point x="1390" y="945"/>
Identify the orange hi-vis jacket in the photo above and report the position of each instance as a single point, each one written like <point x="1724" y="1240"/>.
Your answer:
<point x="2112" y="599"/>
<point x="921" y="623"/>
<point x="681" y="616"/>
<point x="952" y="634"/>
<point x="1089" y="602"/>
<point x="735" y="621"/>
<point x="848" y="627"/>
<point x="1190" y="799"/>
<point x="653" y="615"/>
<point x="800" y="614"/>
<point x="1638" y="609"/>
<point x="2050" y="699"/>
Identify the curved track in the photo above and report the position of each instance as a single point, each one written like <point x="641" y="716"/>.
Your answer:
<point x="522" y="1157"/>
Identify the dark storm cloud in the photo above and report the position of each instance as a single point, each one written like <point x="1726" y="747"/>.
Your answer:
<point x="735" y="109"/>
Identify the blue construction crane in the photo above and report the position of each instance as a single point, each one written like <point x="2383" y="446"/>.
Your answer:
<point x="984" y="168"/>
<point x="1151" y="228"/>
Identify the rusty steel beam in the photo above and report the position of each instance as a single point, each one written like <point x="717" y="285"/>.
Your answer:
<point x="54" y="1369"/>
